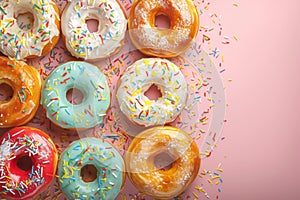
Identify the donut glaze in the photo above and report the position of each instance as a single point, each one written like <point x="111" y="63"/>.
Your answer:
<point x="26" y="85"/>
<point x="40" y="39"/>
<point x="138" y="78"/>
<point x="90" y="81"/>
<point x="170" y="42"/>
<point x="17" y="183"/>
<point x="109" y="37"/>
<point x="108" y="162"/>
<point x="157" y="182"/>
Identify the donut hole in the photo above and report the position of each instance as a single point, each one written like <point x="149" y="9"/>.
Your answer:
<point x="162" y="22"/>
<point x="88" y="173"/>
<point x="153" y="93"/>
<point x="25" y="20"/>
<point x="24" y="163"/>
<point x="163" y="161"/>
<point x="6" y="92"/>
<point x="92" y="25"/>
<point x="74" y="96"/>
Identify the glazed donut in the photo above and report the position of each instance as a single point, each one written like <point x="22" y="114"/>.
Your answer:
<point x="26" y="85"/>
<point x="101" y="44"/>
<point x="138" y="78"/>
<point x="162" y="162"/>
<point x="83" y="156"/>
<point x="170" y="42"/>
<point x="40" y="39"/>
<point x="90" y="81"/>
<point x="28" y="160"/>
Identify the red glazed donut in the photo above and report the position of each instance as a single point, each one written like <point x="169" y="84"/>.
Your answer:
<point x="28" y="160"/>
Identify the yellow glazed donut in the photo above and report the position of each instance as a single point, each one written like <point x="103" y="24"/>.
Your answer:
<point x="151" y="176"/>
<point x="40" y="39"/>
<point x="26" y="85"/>
<point x="170" y="42"/>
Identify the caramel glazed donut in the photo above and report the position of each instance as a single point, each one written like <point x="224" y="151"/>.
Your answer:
<point x="39" y="40"/>
<point x="162" y="162"/>
<point x="26" y="85"/>
<point x="170" y="42"/>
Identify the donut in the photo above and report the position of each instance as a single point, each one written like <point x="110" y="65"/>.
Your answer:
<point x="28" y="160"/>
<point x="170" y="42"/>
<point x="162" y="162"/>
<point x="40" y="39"/>
<point x="91" y="168"/>
<point x="90" y="81"/>
<point x="138" y="78"/>
<point x="26" y="85"/>
<point x="106" y="41"/>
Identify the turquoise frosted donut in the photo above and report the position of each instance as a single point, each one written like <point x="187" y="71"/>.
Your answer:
<point x="100" y="154"/>
<point x="90" y="81"/>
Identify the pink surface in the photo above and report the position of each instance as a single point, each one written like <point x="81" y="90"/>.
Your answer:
<point x="259" y="153"/>
<point x="262" y="133"/>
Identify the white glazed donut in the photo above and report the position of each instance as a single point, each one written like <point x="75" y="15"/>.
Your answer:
<point x="39" y="40"/>
<point x="138" y="78"/>
<point x="109" y="38"/>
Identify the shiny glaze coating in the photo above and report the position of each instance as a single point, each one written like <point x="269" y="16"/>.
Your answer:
<point x="138" y="78"/>
<point x="170" y="42"/>
<point x="40" y="39"/>
<point x="157" y="182"/>
<point x="16" y="183"/>
<point x="26" y="85"/>
<point x="90" y="81"/>
<point x="104" y="157"/>
<point x="109" y="37"/>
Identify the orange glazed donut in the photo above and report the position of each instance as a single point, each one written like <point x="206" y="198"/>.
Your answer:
<point x="26" y="85"/>
<point x="170" y="42"/>
<point x="162" y="162"/>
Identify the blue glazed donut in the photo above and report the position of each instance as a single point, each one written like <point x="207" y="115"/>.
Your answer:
<point x="104" y="157"/>
<point x="90" y="81"/>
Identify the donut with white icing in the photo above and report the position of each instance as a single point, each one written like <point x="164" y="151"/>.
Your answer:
<point x="35" y="42"/>
<point x="169" y="42"/>
<point x="138" y="78"/>
<point x="109" y="37"/>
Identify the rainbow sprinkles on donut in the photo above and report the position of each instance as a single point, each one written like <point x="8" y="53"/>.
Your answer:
<point x="106" y="41"/>
<point x="28" y="161"/>
<point x="35" y="42"/>
<point x="21" y="147"/>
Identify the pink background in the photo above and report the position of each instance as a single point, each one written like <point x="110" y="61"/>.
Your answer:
<point x="260" y="154"/>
